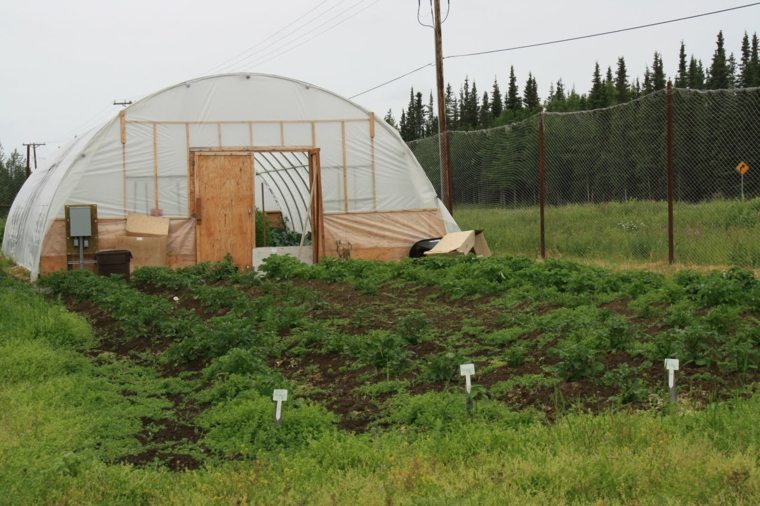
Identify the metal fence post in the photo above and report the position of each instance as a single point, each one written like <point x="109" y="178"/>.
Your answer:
<point x="669" y="154"/>
<point x="541" y="180"/>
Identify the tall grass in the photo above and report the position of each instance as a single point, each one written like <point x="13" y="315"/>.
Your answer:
<point x="720" y="232"/>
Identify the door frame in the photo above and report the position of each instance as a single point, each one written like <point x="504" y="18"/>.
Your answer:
<point x="316" y="211"/>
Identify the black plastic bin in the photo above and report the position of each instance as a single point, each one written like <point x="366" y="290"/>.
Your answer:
<point x="420" y="247"/>
<point x="114" y="261"/>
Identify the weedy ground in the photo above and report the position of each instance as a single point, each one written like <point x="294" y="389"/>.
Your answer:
<point x="159" y="390"/>
<point x="714" y="233"/>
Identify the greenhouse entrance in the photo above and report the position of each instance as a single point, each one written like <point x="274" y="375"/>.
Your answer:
<point x="223" y="198"/>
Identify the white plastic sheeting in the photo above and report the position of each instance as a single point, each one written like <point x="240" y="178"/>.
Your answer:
<point x="149" y="170"/>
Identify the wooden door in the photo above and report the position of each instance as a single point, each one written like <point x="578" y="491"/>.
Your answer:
<point x="224" y="207"/>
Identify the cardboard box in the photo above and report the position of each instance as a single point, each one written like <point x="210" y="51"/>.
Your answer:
<point x="140" y="225"/>
<point x="462" y="243"/>
<point x="146" y="251"/>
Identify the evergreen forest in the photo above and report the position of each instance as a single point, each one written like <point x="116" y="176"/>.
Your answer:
<point x="469" y="109"/>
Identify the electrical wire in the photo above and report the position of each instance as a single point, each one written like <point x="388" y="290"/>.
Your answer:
<point x="559" y="41"/>
<point x="600" y="34"/>
<point x="419" y="7"/>
<point x="276" y="37"/>
<point x="448" y="10"/>
<point x="392" y="80"/>
<point x="261" y="59"/>
<point x="432" y="15"/>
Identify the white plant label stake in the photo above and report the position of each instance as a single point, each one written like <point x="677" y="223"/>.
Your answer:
<point x="467" y="370"/>
<point x="671" y="364"/>
<point x="279" y="396"/>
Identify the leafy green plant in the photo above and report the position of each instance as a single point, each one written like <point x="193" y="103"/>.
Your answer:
<point x="516" y="354"/>
<point x="245" y="426"/>
<point x="578" y="358"/>
<point x="442" y="367"/>
<point x="628" y="380"/>
<point x="441" y="411"/>
<point x="413" y="326"/>
<point x="383" y="349"/>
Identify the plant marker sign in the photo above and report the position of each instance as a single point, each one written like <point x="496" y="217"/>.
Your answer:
<point x="671" y="364"/>
<point x="467" y="370"/>
<point x="279" y="396"/>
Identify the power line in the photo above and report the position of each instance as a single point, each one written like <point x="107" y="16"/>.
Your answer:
<point x="274" y="53"/>
<point x="392" y="80"/>
<point x="419" y="7"/>
<point x="600" y="34"/>
<point x="559" y="41"/>
<point x="273" y="38"/>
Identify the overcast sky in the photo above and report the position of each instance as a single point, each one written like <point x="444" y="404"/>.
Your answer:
<point x="65" y="62"/>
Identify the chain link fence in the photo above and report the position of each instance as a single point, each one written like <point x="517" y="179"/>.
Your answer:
<point x="606" y="180"/>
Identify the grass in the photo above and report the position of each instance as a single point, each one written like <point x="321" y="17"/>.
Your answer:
<point x="83" y="413"/>
<point x="715" y="233"/>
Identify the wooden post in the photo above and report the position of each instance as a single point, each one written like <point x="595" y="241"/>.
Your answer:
<point x="264" y="221"/>
<point x="669" y="155"/>
<point x="28" y="168"/>
<point x="443" y="133"/>
<point x="541" y="182"/>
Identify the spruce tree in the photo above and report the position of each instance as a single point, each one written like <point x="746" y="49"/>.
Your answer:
<point x="754" y="63"/>
<point x="431" y="123"/>
<point x="696" y="78"/>
<point x="609" y="89"/>
<point x="745" y="69"/>
<point x="635" y="89"/>
<point x="719" y="78"/>
<point x="513" y="102"/>
<point x="658" y="73"/>
<point x="682" y="78"/>
<point x="596" y="95"/>
<point x="452" y="115"/>
<point x="559" y="93"/>
<point x="419" y="116"/>
<point x="496" y="101"/>
<point x="390" y="119"/>
<point x="530" y="94"/>
<point x="404" y="127"/>
<point x="485" y="119"/>
<point x="621" y="82"/>
<point x="732" y="71"/>
<point x="648" y="87"/>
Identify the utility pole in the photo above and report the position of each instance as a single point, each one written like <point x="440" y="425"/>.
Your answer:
<point x="447" y="194"/>
<point x="33" y="147"/>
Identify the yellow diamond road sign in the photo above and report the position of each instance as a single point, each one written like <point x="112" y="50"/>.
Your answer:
<point x="742" y="168"/>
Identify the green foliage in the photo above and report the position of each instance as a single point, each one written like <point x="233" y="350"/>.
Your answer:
<point x="236" y="361"/>
<point x="442" y="367"/>
<point x="382" y="349"/>
<point x="12" y="178"/>
<point x="579" y="358"/>
<point x="515" y="355"/>
<point x="413" y="327"/>
<point x="283" y="267"/>
<point x="245" y="426"/>
<point x="628" y="380"/>
<point x="436" y="411"/>
<point x="66" y="419"/>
